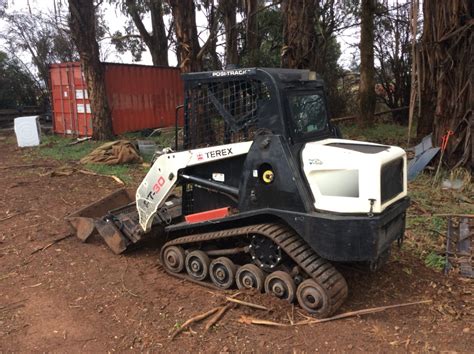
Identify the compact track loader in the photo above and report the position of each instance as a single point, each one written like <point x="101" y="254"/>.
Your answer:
<point x="261" y="192"/>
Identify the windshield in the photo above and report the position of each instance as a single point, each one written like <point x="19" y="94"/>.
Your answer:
<point x="308" y="112"/>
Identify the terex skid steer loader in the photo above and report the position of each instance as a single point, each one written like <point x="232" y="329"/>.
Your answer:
<point x="261" y="192"/>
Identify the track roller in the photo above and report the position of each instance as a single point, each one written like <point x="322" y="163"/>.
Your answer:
<point x="281" y="285"/>
<point x="313" y="298"/>
<point x="321" y="294"/>
<point x="173" y="259"/>
<point x="197" y="265"/>
<point x="249" y="276"/>
<point x="222" y="271"/>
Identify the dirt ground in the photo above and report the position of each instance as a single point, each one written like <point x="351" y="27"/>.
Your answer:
<point x="75" y="297"/>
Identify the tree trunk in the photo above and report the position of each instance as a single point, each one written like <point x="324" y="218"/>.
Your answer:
<point x="184" y="15"/>
<point x="159" y="54"/>
<point x="229" y="9"/>
<point x="367" y="70"/>
<point x="299" y="34"/>
<point x="82" y="23"/>
<point x="445" y="76"/>
<point x="210" y="47"/>
<point x="157" y="41"/>
<point x="251" y="34"/>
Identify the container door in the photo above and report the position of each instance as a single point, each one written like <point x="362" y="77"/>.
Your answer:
<point x="71" y="104"/>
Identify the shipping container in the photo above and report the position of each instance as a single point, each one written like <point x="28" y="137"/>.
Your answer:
<point x="139" y="97"/>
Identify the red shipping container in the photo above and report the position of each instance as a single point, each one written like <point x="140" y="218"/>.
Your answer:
<point x="139" y="97"/>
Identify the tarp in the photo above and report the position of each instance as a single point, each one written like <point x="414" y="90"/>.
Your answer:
<point x="113" y="153"/>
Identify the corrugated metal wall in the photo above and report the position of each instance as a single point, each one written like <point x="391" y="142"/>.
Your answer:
<point x="139" y="96"/>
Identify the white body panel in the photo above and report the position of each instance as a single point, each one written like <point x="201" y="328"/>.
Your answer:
<point x="344" y="180"/>
<point x="163" y="175"/>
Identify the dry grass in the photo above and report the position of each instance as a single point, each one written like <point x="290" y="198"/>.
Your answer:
<point x="426" y="228"/>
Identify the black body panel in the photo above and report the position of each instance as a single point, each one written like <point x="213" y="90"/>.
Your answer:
<point x="287" y="198"/>
<point x="287" y="191"/>
<point x="341" y="238"/>
<point x="197" y="199"/>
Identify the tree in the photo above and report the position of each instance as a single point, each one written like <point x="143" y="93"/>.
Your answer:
<point x="82" y="22"/>
<point x="393" y="52"/>
<point x="42" y="37"/>
<point x="211" y="60"/>
<point x="269" y="37"/>
<point x="184" y="17"/>
<point x="309" y="30"/>
<point x="191" y="56"/>
<point x="367" y="72"/>
<point x="251" y="33"/>
<point x="445" y="77"/>
<point x="228" y="9"/>
<point x="3" y="7"/>
<point x="17" y="87"/>
<point x="157" y="39"/>
<point x="299" y="34"/>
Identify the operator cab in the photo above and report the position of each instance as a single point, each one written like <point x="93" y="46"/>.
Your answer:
<point x="229" y="106"/>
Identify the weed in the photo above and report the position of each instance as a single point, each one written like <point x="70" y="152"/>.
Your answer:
<point x="407" y="270"/>
<point x="56" y="147"/>
<point x="384" y="133"/>
<point x="438" y="225"/>
<point x="177" y="325"/>
<point x="166" y="138"/>
<point x="121" y="171"/>
<point x="434" y="260"/>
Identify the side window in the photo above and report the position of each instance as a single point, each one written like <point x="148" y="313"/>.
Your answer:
<point x="308" y="112"/>
<point x="223" y="112"/>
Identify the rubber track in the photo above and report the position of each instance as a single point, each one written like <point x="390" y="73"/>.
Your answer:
<point x="296" y="248"/>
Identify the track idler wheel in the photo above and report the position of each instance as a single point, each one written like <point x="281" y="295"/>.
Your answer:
<point x="222" y="271"/>
<point x="281" y="285"/>
<point x="197" y="265"/>
<point x="313" y="298"/>
<point x="249" y="276"/>
<point x="173" y="259"/>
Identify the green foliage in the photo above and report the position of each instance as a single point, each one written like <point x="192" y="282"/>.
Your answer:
<point x="41" y="36"/>
<point x="384" y="133"/>
<point x="121" y="171"/>
<point x="270" y="26"/>
<point x="434" y="260"/>
<point x="438" y="225"/>
<point x="166" y="138"/>
<point x="56" y="147"/>
<point x="331" y="72"/>
<point x="124" y="42"/>
<point x="393" y="52"/>
<point x="17" y="87"/>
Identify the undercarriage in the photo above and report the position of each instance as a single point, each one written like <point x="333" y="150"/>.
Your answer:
<point x="267" y="257"/>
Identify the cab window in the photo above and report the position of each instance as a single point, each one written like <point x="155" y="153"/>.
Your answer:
<point x="308" y="112"/>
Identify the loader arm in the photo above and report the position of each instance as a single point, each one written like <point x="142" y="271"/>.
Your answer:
<point x="164" y="175"/>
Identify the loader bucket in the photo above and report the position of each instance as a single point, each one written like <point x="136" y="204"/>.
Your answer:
<point x="93" y="217"/>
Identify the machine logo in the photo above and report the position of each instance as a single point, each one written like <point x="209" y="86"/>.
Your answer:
<point x="200" y="157"/>
<point x="219" y="153"/>
<point x="315" y="162"/>
<point x="231" y="72"/>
